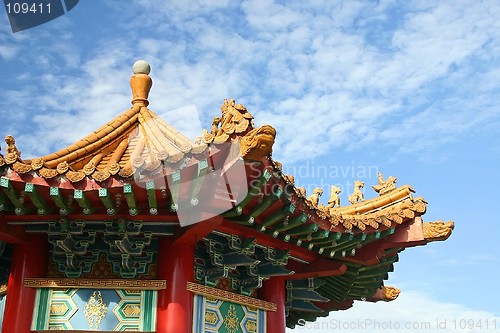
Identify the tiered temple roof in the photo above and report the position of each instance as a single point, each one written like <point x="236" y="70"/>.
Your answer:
<point x="117" y="190"/>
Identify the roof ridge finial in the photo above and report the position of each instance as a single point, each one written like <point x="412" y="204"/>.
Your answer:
<point x="140" y="83"/>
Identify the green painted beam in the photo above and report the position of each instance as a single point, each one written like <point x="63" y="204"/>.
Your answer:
<point x="107" y="201"/>
<point x="59" y="200"/>
<point x="314" y="248"/>
<point x="197" y="183"/>
<point x="255" y="188"/>
<point x="331" y="239"/>
<point x="174" y="185"/>
<point x="243" y="220"/>
<point x="346" y="238"/>
<point x="320" y="234"/>
<point x="151" y="191"/>
<point x="83" y="201"/>
<point x="278" y="216"/>
<point x="305" y="238"/>
<point x="291" y="223"/>
<point x="13" y="196"/>
<point x="5" y="204"/>
<point x="278" y="235"/>
<point x="130" y="199"/>
<point x="36" y="199"/>
<point x="303" y="229"/>
<point x="356" y="241"/>
<point x="267" y="202"/>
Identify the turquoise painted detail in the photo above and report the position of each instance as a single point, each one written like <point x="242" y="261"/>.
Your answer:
<point x="214" y="316"/>
<point x="124" y="310"/>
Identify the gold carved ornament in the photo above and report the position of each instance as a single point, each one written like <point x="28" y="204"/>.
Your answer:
<point x="437" y="231"/>
<point x="231" y="320"/>
<point x="314" y="197"/>
<point x="258" y="143"/>
<point x="95" y="310"/>
<point x="12" y="153"/>
<point x="235" y="119"/>
<point x="334" y="200"/>
<point x="357" y="195"/>
<point x="390" y="293"/>
<point x="385" y="186"/>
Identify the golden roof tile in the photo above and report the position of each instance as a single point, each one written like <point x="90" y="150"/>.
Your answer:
<point x="135" y="138"/>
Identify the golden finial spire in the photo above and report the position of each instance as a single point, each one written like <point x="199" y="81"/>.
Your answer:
<point x="140" y="83"/>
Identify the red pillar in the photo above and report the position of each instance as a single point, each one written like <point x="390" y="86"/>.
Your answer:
<point x="273" y="290"/>
<point x="175" y="304"/>
<point x="28" y="260"/>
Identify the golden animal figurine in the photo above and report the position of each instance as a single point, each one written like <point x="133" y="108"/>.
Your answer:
<point x="314" y="197"/>
<point x="385" y="186"/>
<point x="438" y="231"/>
<point x="334" y="200"/>
<point x="12" y="153"/>
<point x="357" y="195"/>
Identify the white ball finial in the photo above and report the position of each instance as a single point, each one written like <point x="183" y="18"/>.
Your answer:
<point x="141" y="67"/>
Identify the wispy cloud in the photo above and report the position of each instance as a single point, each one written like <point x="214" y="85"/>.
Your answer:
<point x="410" y="312"/>
<point x="342" y="74"/>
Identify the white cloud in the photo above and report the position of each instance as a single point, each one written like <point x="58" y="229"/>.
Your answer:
<point x="411" y="312"/>
<point x="320" y="68"/>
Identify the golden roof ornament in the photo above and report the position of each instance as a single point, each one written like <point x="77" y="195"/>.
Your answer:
<point x="438" y="231"/>
<point x="314" y="197"/>
<point x="391" y="293"/>
<point x="357" y="195"/>
<point x="258" y="143"/>
<point x="12" y="153"/>
<point x="235" y="119"/>
<point x="334" y="200"/>
<point x="385" y="186"/>
<point x="385" y="293"/>
<point x="141" y="83"/>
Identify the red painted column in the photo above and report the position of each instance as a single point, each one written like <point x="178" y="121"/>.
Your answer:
<point x="175" y="304"/>
<point x="28" y="260"/>
<point x="273" y="290"/>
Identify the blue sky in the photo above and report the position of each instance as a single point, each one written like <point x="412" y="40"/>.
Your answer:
<point x="409" y="88"/>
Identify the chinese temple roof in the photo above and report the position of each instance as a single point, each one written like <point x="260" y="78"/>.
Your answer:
<point x="329" y="255"/>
